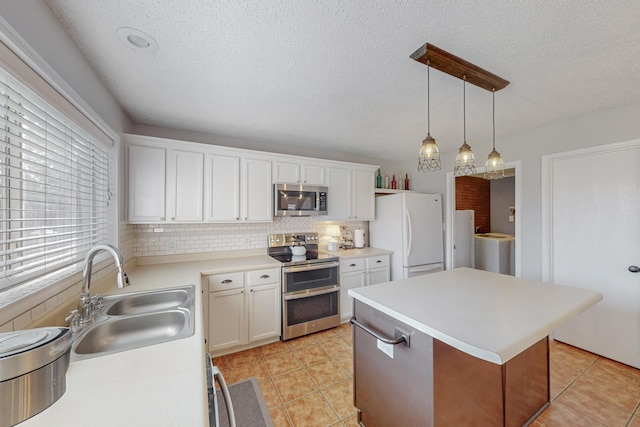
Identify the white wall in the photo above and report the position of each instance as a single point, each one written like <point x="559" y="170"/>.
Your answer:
<point x="604" y="127"/>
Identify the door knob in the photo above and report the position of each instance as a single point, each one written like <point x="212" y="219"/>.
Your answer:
<point x="634" y="269"/>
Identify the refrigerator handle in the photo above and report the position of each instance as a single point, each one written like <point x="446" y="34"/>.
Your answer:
<point x="408" y="231"/>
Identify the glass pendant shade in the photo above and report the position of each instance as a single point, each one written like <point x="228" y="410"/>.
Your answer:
<point x="429" y="159"/>
<point x="494" y="167"/>
<point x="465" y="161"/>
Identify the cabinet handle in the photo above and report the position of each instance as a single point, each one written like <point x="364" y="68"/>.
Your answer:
<point x="399" y="335"/>
<point x="352" y="265"/>
<point x="173" y="218"/>
<point x="225" y="281"/>
<point x="264" y="276"/>
<point x="162" y="218"/>
<point x="378" y="261"/>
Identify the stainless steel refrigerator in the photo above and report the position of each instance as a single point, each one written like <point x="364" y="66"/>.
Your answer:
<point x="410" y="225"/>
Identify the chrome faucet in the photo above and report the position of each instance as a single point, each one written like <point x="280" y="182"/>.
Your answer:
<point x="89" y="304"/>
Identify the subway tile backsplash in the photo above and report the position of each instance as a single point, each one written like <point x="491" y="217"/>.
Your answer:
<point x="172" y="239"/>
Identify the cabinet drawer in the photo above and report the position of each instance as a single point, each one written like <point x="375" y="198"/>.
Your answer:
<point x="354" y="264"/>
<point x="224" y="281"/>
<point x="378" y="261"/>
<point x="262" y="277"/>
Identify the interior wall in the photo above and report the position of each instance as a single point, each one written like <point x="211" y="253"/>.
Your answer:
<point x="503" y="197"/>
<point x="474" y="194"/>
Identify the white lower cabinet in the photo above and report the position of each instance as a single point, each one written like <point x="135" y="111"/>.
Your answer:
<point x="244" y="307"/>
<point x="356" y="272"/>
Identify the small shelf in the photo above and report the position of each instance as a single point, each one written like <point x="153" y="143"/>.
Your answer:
<point x="384" y="191"/>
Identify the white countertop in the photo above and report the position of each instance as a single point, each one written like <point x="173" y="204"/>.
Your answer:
<point x="490" y="316"/>
<point x="359" y="253"/>
<point x="159" y="385"/>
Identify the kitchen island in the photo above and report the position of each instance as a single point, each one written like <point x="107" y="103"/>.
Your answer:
<point x="477" y="350"/>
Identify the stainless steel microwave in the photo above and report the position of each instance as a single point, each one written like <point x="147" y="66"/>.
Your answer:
<point x="299" y="200"/>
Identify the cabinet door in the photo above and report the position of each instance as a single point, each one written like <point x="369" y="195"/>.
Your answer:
<point x="339" y="197"/>
<point x="264" y="311"/>
<point x="258" y="190"/>
<point x="349" y="281"/>
<point x="147" y="168"/>
<point x="286" y="172"/>
<point x="363" y="195"/>
<point x="378" y="275"/>
<point x="227" y="324"/>
<point x="223" y="188"/>
<point x="313" y="175"/>
<point x="185" y="172"/>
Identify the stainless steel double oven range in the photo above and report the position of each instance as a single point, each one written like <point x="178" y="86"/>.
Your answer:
<point x="310" y="284"/>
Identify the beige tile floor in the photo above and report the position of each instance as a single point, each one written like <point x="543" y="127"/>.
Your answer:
<point x="308" y="382"/>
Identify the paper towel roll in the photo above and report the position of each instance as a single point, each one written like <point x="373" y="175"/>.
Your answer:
<point x="358" y="238"/>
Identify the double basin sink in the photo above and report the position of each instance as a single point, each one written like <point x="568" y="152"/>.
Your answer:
<point x="137" y="319"/>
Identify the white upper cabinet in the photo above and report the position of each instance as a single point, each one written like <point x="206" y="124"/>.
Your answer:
<point x="257" y="190"/>
<point x="147" y="170"/>
<point x="238" y="189"/>
<point x="222" y="189"/>
<point x="178" y="181"/>
<point x="165" y="185"/>
<point x="285" y="171"/>
<point x="351" y="194"/>
<point x="185" y="172"/>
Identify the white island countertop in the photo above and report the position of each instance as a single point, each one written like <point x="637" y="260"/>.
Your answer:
<point x="490" y="316"/>
<point x="162" y="385"/>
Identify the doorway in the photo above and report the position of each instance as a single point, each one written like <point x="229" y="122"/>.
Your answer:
<point x="482" y="226"/>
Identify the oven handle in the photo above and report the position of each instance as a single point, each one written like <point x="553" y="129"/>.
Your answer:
<point x="310" y="293"/>
<point x="319" y="266"/>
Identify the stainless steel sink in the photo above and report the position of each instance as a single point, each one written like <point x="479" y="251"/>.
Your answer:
<point x="146" y="302"/>
<point x="135" y="320"/>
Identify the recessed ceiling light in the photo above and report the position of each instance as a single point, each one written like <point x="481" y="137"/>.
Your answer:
<point x="137" y="40"/>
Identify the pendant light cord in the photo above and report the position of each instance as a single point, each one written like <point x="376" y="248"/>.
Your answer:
<point x="428" y="106"/>
<point x="494" y="118"/>
<point x="464" y="108"/>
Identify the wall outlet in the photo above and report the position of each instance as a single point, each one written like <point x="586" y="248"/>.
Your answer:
<point x="172" y="245"/>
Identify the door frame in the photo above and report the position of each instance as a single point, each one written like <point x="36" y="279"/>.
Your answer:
<point x="547" y="203"/>
<point x="451" y="207"/>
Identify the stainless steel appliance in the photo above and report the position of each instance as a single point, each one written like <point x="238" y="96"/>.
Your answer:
<point x="299" y="200"/>
<point x="410" y="225"/>
<point x="310" y="285"/>
<point x="213" y="375"/>
<point x="33" y="369"/>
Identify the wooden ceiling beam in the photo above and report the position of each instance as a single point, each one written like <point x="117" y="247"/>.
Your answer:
<point x="457" y="67"/>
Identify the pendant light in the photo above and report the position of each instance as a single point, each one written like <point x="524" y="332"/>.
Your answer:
<point x="429" y="159"/>
<point x="465" y="160"/>
<point x="494" y="167"/>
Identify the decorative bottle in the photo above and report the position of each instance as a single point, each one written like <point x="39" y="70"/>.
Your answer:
<point x="406" y="181"/>
<point x="386" y="182"/>
<point x="379" y="180"/>
<point x="394" y="184"/>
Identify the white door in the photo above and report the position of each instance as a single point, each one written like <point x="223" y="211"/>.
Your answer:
<point x="339" y="197"/>
<point x="362" y="196"/>
<point x="264" y="311"/>
<point x="463" y="240"/>
<point x="422" y="228"/>
<point x="593" y="239"/>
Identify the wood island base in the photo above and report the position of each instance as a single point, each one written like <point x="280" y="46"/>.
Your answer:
<point x="430" y="383"/>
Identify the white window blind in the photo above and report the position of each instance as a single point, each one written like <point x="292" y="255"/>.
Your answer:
<point x="54" y="184"/>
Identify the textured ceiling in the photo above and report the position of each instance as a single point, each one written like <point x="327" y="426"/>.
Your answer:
<point x="336" y="75"/>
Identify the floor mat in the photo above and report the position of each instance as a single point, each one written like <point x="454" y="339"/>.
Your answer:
<point x="248" y="404"/>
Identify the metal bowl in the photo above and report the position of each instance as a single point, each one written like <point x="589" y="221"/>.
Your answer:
<point x="33" y="369"/>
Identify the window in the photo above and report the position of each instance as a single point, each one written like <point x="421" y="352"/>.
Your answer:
<point x="54" y="187"/>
